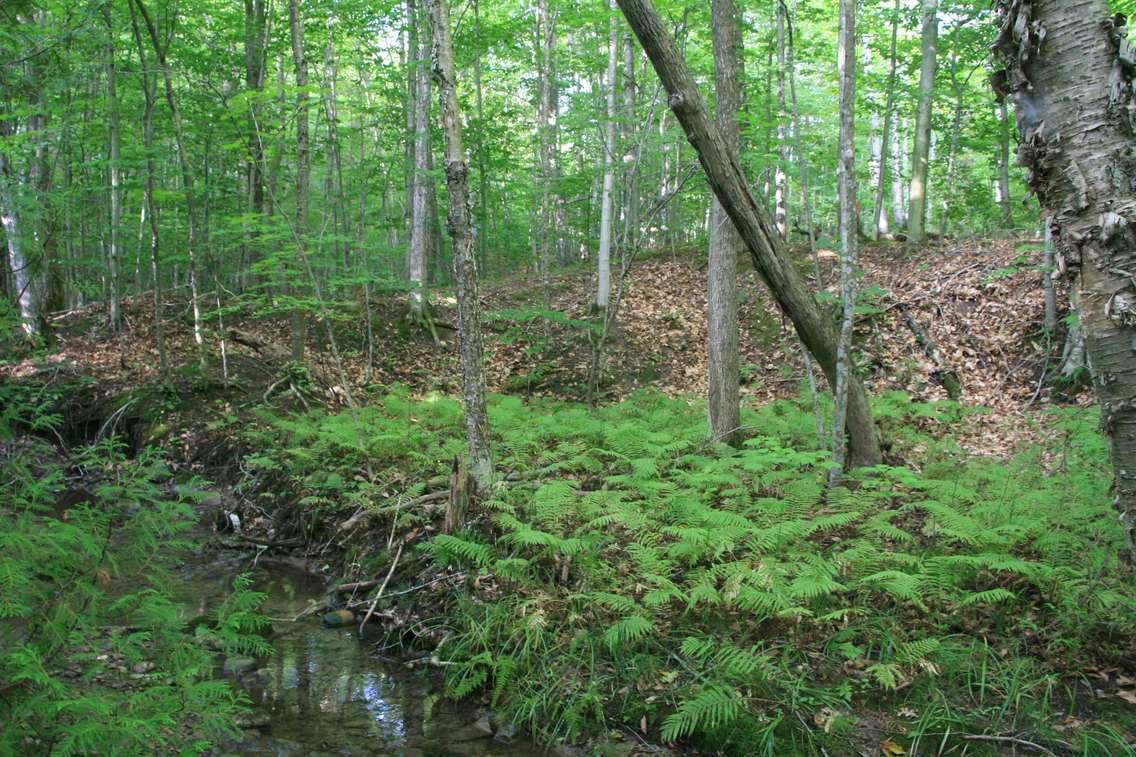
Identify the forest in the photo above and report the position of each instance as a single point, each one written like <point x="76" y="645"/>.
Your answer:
<point x="567" y="377"/>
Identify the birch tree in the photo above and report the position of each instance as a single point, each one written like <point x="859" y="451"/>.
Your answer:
<point x="603" y="259"/>
<point x="1069" y="75"/>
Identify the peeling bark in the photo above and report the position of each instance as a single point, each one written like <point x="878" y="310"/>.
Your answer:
<point x="1069" y="71"/>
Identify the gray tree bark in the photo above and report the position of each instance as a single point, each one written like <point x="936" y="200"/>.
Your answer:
<point x="1069" y="74"/>
<point x="192" y="231"/>
<point x="723" y="171"/>
<point x="722" y="277"/>
<point x="303" y="162"/>
<point x="780" y="177"/>
<point x="465" y="265"/>
<point x="603" y="259"/>
<point x="880" y="224"/>
<point x="917" y="209"/>
<point x="849" y="223"/>
<point x="114" y="250"/>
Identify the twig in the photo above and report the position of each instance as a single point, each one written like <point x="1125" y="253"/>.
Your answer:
<point x="1010" y="740"/>
<point x="375" y="602"/>
<point x="422" y="585"/>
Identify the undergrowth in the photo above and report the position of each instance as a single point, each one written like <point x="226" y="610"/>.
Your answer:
<point x="95" y="657"/>
<point x="632" y="576"/>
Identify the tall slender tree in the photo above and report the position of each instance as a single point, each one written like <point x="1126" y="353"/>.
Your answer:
<point x="849" y="222"/>
<point x="722" y="284"/>
<point x="917" y="209"/>
<point x="603" y="259"/>
<point x="465" y="264"/>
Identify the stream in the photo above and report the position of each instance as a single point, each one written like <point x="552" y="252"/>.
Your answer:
<point x="322" y="691"/>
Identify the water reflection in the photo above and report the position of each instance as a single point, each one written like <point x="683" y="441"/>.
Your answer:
<point x="321" y="692"/>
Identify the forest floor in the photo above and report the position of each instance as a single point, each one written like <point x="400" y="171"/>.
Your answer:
<point x="946" y="564"/>
<point x="979" y="301"/>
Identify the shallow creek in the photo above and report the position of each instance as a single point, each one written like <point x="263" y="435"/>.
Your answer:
<point x="323" y="691"/>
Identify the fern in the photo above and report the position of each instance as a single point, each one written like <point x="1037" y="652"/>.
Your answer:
<point x="710" y="708"/>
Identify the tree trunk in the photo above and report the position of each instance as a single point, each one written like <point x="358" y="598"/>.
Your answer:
<point x="149" y="202"/>
<point x="780" y="178"/>
<point x="898" y="200"/>
<point x="339" y="223"/>
<point x="465" y="265"/>
<point x="958" y="87"/>
<point x="256" y="29"/>
<point x="419" y="223"/>
<point x="917" y="209"/>
<point x="186" y="175"/>
<point x="724" y="173"/>
<point x="802" y="162"/>
<point x="303" y="164"/>
<point x="849" y="223"/>
<point x="1004" y="167"/>
<point x="26" y="293"/>
<point x="880" y="224"/>
<point x="114" y="251"/>
<point x="546" y="41"/>
<point x="1069" y="70"/>
<point x="1049" y="319"/>
<point x="722" y="277"/>
<point x="603" y="259"/>
<point x="479" y="146"/>
<point x="632" y="147"/>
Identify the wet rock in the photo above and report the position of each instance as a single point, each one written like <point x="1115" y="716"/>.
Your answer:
<point x="484" y="725"/>
<point x="506" y="732"/>
<point x="338" y="619"/>
<point x="239" y="665"/>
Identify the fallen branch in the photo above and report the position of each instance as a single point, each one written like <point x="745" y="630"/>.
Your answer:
<point x="1010" y="740"/>
<point x="946" y="376"/>
<point x="371" y="609"/>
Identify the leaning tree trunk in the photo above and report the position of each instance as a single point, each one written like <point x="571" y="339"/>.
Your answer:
<point x="465" y="265"/>
<point x="1069" y="72"/>
<point x="724" y="173"/>
<point x="722" y="277"/>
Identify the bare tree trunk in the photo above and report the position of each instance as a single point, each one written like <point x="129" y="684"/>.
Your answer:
<point x="339" y="222"/>
<point x="802" y="161"/>
<point x="303" y="164"/>
<point x="722" y="277"/>
<point x="149" y="202"/>
<point x="919" y="158"/>
<point x="114" y="251"/>
<point x="546" y="42"/>
<point x="1069" y="75"/>
<point x="780" y="178"/>
<point x="898" y="199"/>
<point x="256" y="30"/>
<point x="958" y="87"/>
<point x="880" y="224"/>
<point x="465" y="265"/>
<point x="26" y="294"/>
<point x="479" y="146"/>
<point x="632" y="147"/>
<point x="186" y="174"/>
<point x="419" y="223"/>
<point x="849" y="222"/>
<point x="723" y="170"/>
<point x="603" y="259"/>
<point x="1004" y="167"/>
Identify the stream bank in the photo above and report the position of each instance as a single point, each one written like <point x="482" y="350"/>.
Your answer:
<point x="323" y="691"/>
